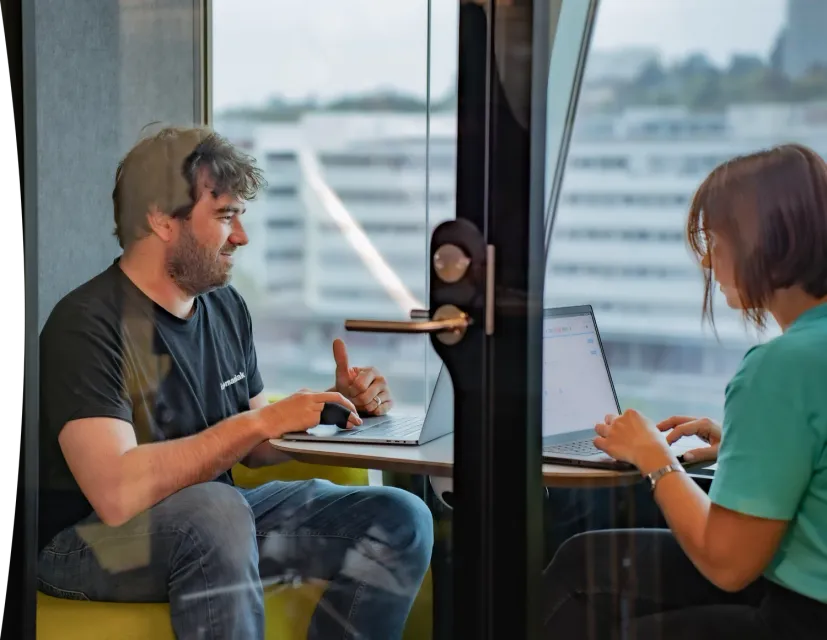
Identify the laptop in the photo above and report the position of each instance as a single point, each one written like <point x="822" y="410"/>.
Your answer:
<point x="578" y="391"/>
<point x="391" y="429"/>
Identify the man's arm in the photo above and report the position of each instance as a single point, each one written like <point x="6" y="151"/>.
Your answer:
<point x="264" y="454"/>
<point x="122" y="479"/>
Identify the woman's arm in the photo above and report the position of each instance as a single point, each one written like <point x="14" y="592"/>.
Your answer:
<point x="731" y="549"/>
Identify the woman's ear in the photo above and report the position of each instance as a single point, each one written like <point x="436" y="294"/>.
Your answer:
<point x="160" y="224"/>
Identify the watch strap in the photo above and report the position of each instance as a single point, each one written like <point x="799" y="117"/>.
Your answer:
<point x="659" y="473"/>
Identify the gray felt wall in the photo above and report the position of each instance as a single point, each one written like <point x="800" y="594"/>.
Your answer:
<point x="105" y="69"/>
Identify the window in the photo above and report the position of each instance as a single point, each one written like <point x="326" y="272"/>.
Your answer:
<point x="663" y="101"/>
<point x="605" y="162"/>
<point x="282" y="191"/>
<point x="649" y="125"/>
<point x="281" y="156"/>
<point x="284" y="254"/>
<point x="339" y="126"/>
<point x="382" y="196"/>
<point x="626" y="199"/>
<point x="640" y="235"/>
<point x="631" y="271"/>
<point x="283" y="288"/>
<point x="277" y="224"/>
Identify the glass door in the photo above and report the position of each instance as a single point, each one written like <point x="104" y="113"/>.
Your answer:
<point x="486" y="288"/>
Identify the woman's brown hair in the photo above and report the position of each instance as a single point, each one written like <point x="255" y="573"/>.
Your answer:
<point x="770" y="208"/>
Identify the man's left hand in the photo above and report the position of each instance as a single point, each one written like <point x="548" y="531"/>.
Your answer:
<point x="365" y="387"/>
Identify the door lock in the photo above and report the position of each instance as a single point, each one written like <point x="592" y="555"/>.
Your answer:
<point x="450" y="263"/>
<point x="449" y="323"/>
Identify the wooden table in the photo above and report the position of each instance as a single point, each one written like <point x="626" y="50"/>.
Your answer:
<point x="436" y="458"/>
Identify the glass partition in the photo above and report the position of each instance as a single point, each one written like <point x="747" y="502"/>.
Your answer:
<point x="350" y="110"/>
<point x="671" y="90"/>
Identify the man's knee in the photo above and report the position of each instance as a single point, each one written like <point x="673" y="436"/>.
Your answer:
<point x="405" y="523"/>
<point x="394" y="548"/>
<point x="217" y="520"/>
<point x="213" y="565"/>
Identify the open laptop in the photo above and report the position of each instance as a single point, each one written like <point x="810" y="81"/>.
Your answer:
<point x="390" y="429"/>
<point x="578" y="391"/>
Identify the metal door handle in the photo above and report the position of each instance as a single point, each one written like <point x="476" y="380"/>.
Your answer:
<point x="449" y="323"/>
<point x="406" y="326"/>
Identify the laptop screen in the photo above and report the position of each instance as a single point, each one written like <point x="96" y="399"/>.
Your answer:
<point x="577" y="389"/>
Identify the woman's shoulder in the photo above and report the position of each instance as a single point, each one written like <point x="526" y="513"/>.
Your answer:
<point x="789" y="349"/>
<point x="790" y="361"/>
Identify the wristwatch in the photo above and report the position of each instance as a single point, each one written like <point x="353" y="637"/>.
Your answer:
<point x="658" y="474"/>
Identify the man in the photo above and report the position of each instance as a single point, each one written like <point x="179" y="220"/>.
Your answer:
<point x="151" y="393"/>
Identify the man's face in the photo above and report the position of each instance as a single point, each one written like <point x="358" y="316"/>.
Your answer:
<point x="200" y="258"/>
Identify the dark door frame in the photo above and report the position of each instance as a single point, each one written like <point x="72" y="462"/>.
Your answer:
<point x="503" y="51"/>
<point x="19" y="614"/>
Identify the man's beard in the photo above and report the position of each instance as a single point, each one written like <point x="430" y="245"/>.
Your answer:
<point x="196" y="269"/>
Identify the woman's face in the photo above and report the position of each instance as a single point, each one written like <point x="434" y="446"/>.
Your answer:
<point x="719" y="259"/>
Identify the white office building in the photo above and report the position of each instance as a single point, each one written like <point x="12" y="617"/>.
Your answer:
<point x="342" y="232"/>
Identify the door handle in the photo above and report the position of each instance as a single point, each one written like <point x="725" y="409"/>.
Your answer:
<point x="449" y="324"/>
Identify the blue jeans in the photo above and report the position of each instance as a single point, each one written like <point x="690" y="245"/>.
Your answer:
<point x="209" y="549"/>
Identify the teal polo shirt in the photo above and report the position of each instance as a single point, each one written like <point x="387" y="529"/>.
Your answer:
<point x="773" y="456"/>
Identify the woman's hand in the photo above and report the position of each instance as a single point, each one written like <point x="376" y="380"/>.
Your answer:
<point x="704" y="428"/>
<point x="632" y="438"/>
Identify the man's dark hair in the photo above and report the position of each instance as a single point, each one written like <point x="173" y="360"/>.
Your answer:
<point x="162" y="171"/>
<point x="770" y="207"/>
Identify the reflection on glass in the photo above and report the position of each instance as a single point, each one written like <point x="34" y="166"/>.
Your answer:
<point x="671" y="89"/>
<point x="658" y="108"/>
<point x="360" y="168"/>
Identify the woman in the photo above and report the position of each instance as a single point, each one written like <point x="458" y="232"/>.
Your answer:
<point x="749" y="560"/>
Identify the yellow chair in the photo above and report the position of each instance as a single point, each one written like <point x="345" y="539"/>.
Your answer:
<point x="293" y="471"/>
<point x="288" y="609"/>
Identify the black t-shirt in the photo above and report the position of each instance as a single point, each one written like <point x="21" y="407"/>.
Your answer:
<point x="107" y="350"/>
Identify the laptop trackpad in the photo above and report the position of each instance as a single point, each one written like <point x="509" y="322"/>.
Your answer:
<point x="324" y="430"/>
<point x="331" y="430"/>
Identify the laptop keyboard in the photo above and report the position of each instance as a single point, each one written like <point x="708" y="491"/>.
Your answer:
<point x="586" y="448"/>
<point x="579" y="448"/>
<point x="399" y="428"/>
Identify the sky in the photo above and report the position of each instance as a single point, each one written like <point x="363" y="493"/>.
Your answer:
<point x="324" y="48"/>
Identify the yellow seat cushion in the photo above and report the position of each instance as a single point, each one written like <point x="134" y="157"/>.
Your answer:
<point x="292" y="471"/>
<point x="287" y="615"/>
<point x="288" y="611"/>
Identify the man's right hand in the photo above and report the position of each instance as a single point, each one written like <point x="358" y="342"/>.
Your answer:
<point x="300" y="412"/>
<point x="704" y="428"/>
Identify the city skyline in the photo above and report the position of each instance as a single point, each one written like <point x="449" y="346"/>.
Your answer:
<point x="339" y="53"/>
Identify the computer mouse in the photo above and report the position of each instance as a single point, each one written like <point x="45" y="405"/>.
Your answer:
<point x="333" y="413"/>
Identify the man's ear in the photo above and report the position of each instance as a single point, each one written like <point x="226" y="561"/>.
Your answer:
<point x="161" y="224"/>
